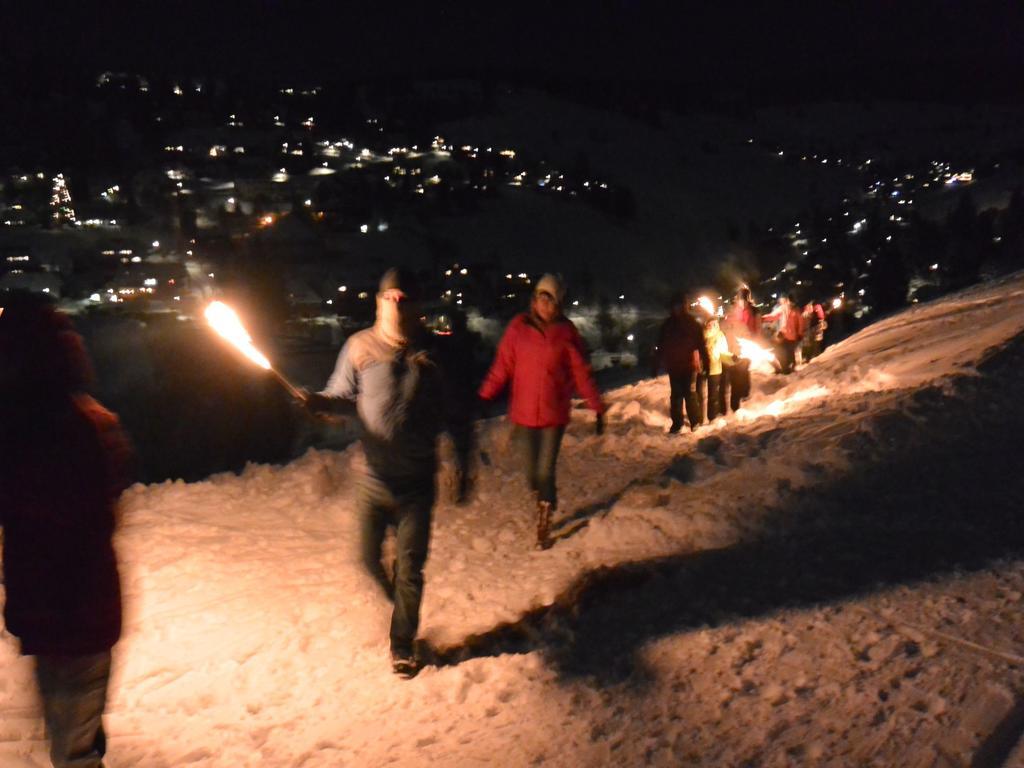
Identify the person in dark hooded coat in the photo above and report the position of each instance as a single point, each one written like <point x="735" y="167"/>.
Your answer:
<point x="63" y="463"/>
<point x="681" y="351"/>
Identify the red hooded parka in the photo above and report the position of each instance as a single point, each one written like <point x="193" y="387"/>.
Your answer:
<point x="542" y="365"/>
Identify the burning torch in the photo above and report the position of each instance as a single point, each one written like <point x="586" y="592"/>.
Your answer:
<point x="755" y="353"/>
<point x="226" y="323"/>
<point x="707" y="305"/>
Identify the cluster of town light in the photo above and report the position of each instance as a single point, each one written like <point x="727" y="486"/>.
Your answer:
<point x="60" y="201"/>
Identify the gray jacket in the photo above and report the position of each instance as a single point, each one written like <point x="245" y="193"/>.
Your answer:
<point x="399" y="396"/>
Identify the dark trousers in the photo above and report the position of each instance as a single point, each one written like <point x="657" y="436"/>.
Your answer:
<point x="410" y="514"/>
<point x="683" y="390"/>
<point x="74" y="694"/>
<point x="739" y="383"/>
<point x="540" y="452"/>
<point x="716" y="396"/>
<point x="785" y="353"/>
<point x="811" y="349"/>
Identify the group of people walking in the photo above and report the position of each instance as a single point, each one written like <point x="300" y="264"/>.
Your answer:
<point x="708" y="373"/>
<point x="64" y="460"/>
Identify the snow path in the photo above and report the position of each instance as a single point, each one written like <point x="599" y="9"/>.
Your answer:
<point x="736" y="596"/>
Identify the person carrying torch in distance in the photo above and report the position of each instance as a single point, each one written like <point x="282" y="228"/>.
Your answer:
<point x="719" y="359"/>
<point x="681" y="351"/>
<point x="742" y="322"/>
<point x="542" y="358"/>
<point x="790" y="329"/>
<point x="388" y="375"/>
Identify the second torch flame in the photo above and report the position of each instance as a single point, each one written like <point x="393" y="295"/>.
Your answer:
<point x="754" y="352"/>
<point x="707" y="305"/>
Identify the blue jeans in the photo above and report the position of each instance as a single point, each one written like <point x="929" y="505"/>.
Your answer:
<point x="410" y="514"/>
<point x="540" y="451"/>
<point x="74" y="694"/>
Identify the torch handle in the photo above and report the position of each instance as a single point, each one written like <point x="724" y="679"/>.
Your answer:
<point x="292" y="390"/>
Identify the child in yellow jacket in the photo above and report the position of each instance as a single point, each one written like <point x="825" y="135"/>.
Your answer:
<point x="718" y="353"/>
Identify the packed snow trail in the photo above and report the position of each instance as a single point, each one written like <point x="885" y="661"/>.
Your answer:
<point x="737" y="596"/>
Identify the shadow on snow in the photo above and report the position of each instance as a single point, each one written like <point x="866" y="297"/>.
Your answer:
<point x="912" y="507"/>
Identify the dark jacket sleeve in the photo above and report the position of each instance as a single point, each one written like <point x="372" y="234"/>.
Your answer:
<point x="498" y="376"/>
<point x="659" y="349"/>
<point x="583" y="377"/>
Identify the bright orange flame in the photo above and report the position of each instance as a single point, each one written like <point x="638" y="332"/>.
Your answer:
<point x="225" y="322"/>
<point x="267" y="220"/>
<point x="707" y="305"/>
<point x="754" y="352"/>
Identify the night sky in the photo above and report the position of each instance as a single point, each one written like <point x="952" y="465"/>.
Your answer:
<point x="951" y="51"/>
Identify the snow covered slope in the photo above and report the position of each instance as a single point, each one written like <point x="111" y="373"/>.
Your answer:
<point x="778" y="588"/>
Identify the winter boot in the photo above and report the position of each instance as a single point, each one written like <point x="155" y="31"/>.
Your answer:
<point x="404" y="662"/>
<point x="543" y="524"/>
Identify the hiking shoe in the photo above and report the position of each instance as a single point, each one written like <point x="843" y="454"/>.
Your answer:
<point x="404" y="664"/>
<point x="544" y="525"/>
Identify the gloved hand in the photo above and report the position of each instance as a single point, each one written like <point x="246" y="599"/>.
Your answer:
<point x="317" y="403"/>
<point x="599" y="426"/>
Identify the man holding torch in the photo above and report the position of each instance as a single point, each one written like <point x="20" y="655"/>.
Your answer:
<point x="388" y="375"/>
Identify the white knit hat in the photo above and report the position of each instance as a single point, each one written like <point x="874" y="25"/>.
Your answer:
<point x="550" y="284"/>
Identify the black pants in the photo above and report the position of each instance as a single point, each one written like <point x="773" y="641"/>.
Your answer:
<point x="410" y="514"/>
<point x="739" y="383"/>
<point x="684" y="390"/>
<point x="716" y="396"/>
<point x="540" y="453"/>
<point x="785" y="353"/>
<point x="811" y="349"/>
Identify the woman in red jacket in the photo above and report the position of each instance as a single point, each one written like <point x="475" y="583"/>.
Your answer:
<point x="787" y="337"/>
<point x="542" y="359"/>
